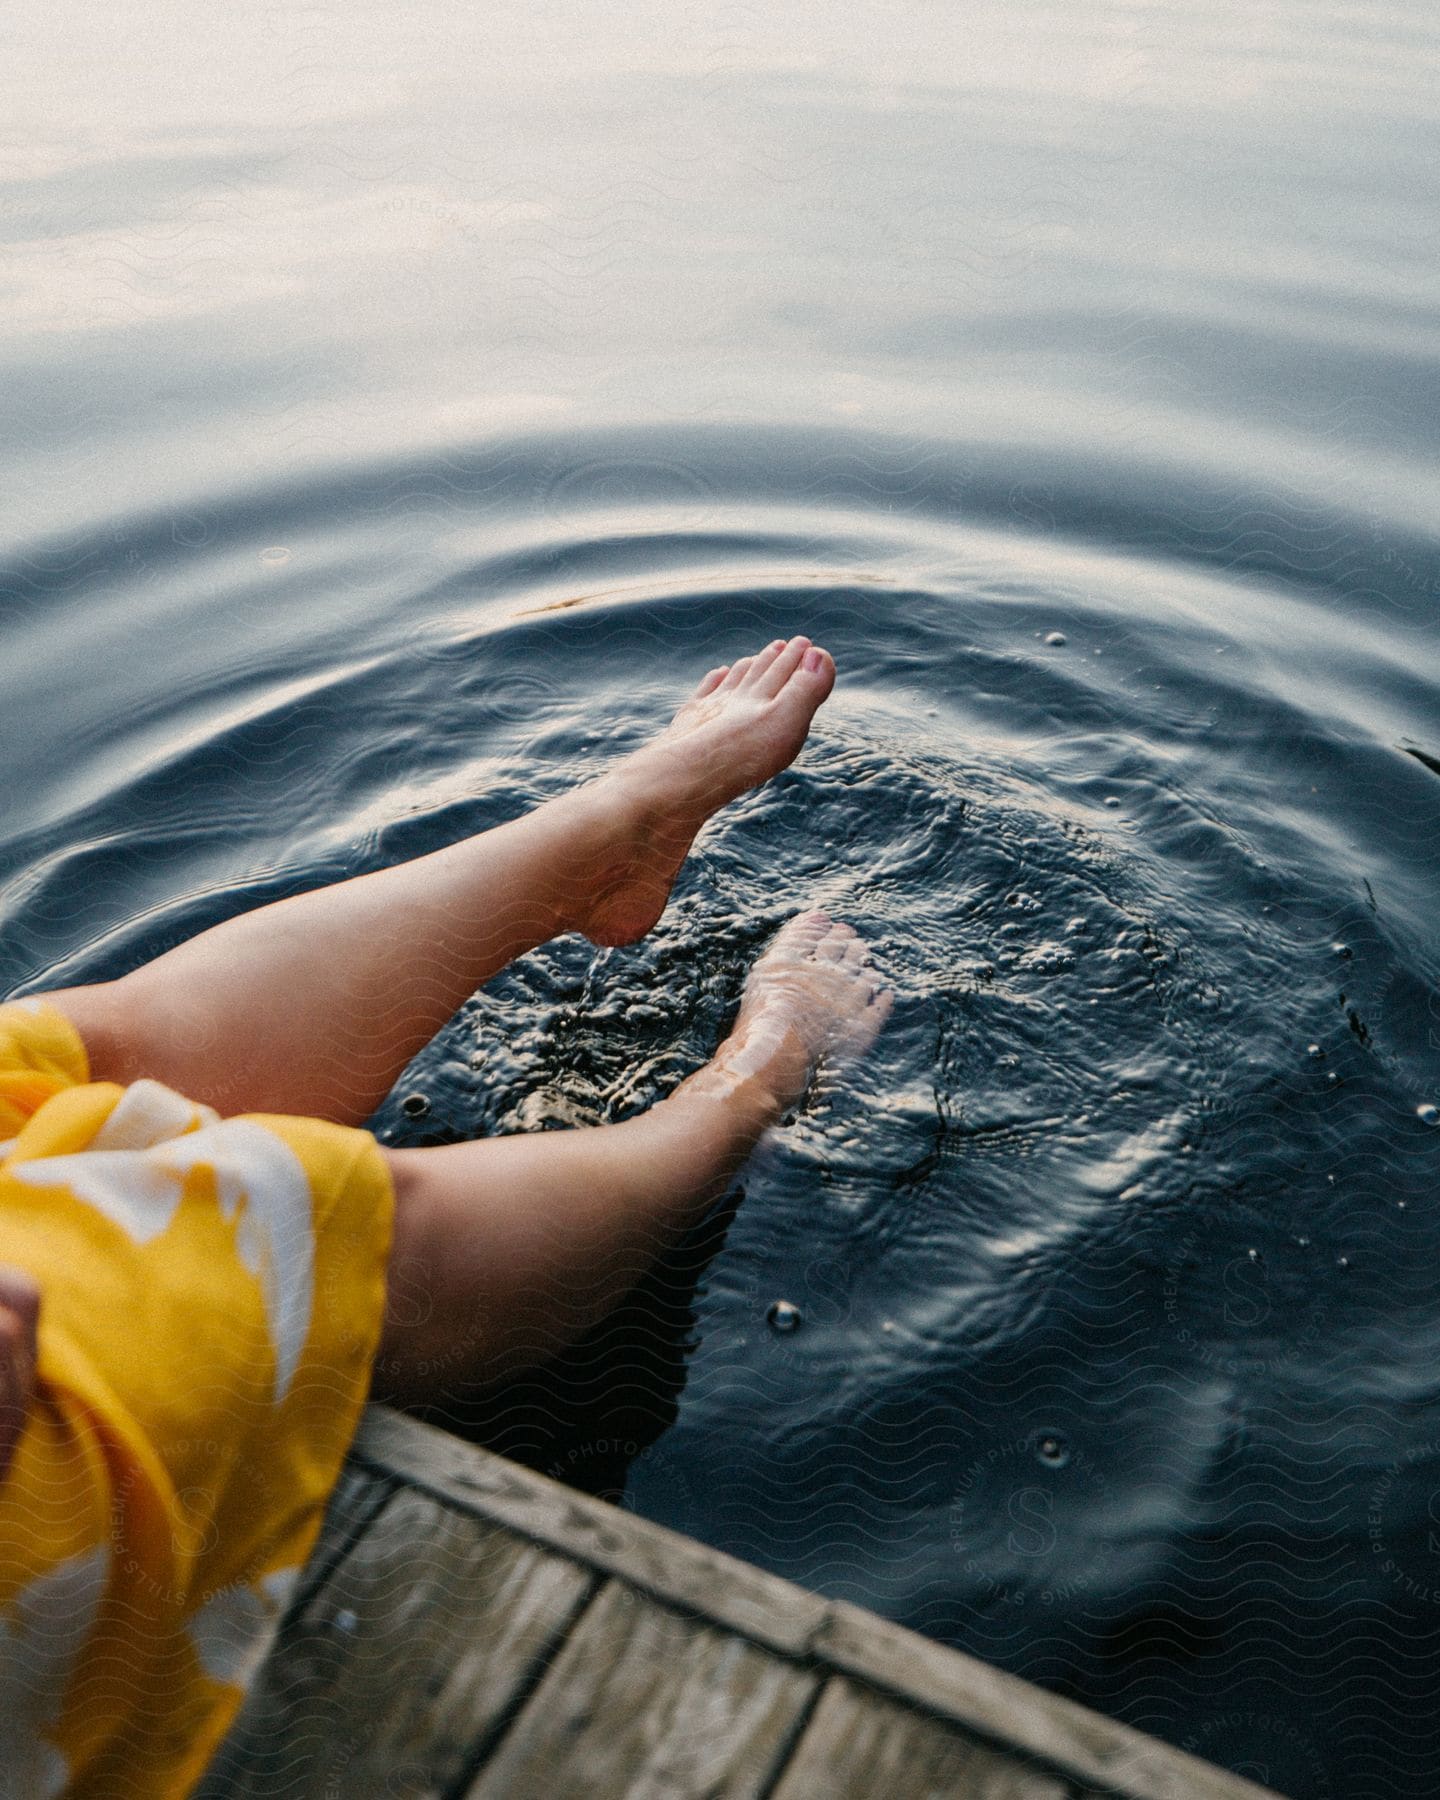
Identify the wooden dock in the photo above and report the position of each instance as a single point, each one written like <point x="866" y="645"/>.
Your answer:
<point x="469" y="1630"/>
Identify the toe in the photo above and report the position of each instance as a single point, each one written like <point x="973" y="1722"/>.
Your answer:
<point x="834" y="945"/>
<point x="738" y="672"/>
<point x="782" y="666"/>
<point x="711" y="682"/>
<point x="761" y="664"/>
<point x="817" y="672"/>
<point x="857" y="953"/>
<point x="799" y="935"/>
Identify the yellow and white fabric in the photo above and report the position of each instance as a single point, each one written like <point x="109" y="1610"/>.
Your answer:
<point x="212" y="1295"/>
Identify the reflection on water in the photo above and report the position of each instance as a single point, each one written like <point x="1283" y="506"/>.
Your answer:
<point x="405" y="404"/>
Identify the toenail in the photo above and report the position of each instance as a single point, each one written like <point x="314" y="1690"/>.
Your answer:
<point x="812" y="660"/>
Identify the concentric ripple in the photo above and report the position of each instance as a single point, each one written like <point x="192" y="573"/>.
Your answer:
<point x="1105" y="1282"/>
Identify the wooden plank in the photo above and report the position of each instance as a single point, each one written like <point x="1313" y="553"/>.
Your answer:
<point x="1089" y="1748"/>
<point x="417" y="1645"/>
<point x="359" y="1495"/>
<point x="645" y="1555"/>
<point x="644" y="1703"/>
<point x="861" y="1744"/>
<point x="1085" y="1746"/>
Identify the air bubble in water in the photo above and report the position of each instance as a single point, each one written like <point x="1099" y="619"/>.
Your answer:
<point x="274" y="556"/>
<point x="783" y="1316"/>
<point x="1052" y="1449"/>
<point x="415" y="1106"/>
<point x="1056" y="638"/>
<point x="1428" y="1114"/>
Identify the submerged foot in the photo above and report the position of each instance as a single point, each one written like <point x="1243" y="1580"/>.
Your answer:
<point x="743" y="724"/>
<point x="812" y="997"/>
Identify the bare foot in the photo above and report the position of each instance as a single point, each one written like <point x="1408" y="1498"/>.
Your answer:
<point x="743" y="724"/>
<point x="19" y="1317"/>
<point x="812" y="997"/>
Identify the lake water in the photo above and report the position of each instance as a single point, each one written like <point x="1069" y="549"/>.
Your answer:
<point x="403" y="405"/>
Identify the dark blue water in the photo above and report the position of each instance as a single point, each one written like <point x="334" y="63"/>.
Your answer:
<point x="401" y="411"/>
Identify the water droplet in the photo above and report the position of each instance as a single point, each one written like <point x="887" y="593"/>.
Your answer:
<point x="274" y="556"/>
<point x="415" y="1106"/>
<point x="1056" y="638"/>
<point x="1314" y="1050"/>
<point x="1428" y="1114"/>
<point x="1052" y="1449"/>
<point x="1342" y="1262"/>
<point x="1343" y="950"/>
<point x="1303" y="1242"/>
<point x="783" y="1316"/>
<point x="889" y="1324"/>
<point x="1254" y="1255"/>
<point x="1112" y="800"/>
<point x="1333" y="1078"/>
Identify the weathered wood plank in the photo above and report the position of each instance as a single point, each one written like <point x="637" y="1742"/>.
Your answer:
<point x="422" y="1638"/>
<point x="358" y="1496"/>
<point x="1088" y="1748"/>
<point x="644" y="1703"/>
<point x="1083" y="1745"/>
<point x="861" y="1744"/>
<point x="687" y="1574"/>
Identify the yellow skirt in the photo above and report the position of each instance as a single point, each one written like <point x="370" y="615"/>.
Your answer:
<point x="213" y="1292"/>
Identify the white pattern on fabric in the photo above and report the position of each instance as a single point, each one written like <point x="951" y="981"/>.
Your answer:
<point x="138" y="1195"/>
<point x="235" y="1627"/>
<point x="148" y="1113"/>
<point x="40" y="1641"/>
<point x="258" y="1178"/>
<point x="277" y="1233"/>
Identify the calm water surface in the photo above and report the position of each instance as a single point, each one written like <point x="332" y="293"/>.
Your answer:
<point x="402" y="405"/>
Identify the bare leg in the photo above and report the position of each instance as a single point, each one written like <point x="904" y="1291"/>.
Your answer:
<point x="315" y="1004"/>
<point x="507" y="1249"/>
